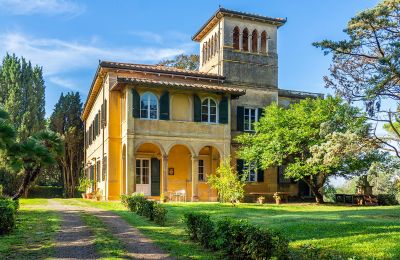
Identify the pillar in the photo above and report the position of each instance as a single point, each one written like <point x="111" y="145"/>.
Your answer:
<point x="195" y="179"/>
<point x="241" y="41"/>
<point x="259" y="44"/>
<point x="130" y="167"/>
<point x="250" y="42"/>
<point x="165" y="174"/>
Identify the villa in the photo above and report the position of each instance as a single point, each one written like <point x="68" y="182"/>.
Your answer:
<point x="161" y="130"/>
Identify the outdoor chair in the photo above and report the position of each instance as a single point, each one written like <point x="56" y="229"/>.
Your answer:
<point x="179" y="195"/>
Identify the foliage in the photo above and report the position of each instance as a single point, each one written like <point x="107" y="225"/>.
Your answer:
<point x="138" y="204"/>
<point x="238" y="239"/>
<point x="45" y="192"/>
<point x="387" y="199"/>
<point x="84" y="184"/>
<point x="315" y="138"/>
<point x="310" y="252"/>
<point x="8" y="211"/>
<point x="66" y="121"/>
<point x="226" y="181"/>
<point x="182" y="61"/>
<point x="365" y="67"/>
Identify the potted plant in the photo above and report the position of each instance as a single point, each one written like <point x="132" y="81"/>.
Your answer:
<point x="163" y="198"/>
<point x="277" y="198"/>
<point x="261" y="200"/>
<point x="98" y="195"/>
<point x="84" y="184"/>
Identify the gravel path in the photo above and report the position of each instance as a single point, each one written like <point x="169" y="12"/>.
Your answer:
<point x="75" y="240"/>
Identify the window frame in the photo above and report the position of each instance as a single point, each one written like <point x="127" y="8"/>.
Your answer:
<point x="141" y="168"/>
<point x="150" y="94"/>
<point x="209" y="110"/>
<point x="250" y="124"/>
<point x="251" y="168"/>
<point x="203" y="173"/>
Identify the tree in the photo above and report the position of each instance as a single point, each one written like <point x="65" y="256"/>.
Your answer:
<point x="182" y="61"/>
<point x="66" y="121"/>
<point x="7" y="132"/>
<point x="366" y="67"/>
<point x="315" y="138"/>
<point x="230" y="188"/>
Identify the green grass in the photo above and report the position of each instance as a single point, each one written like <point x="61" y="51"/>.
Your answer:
<point x="33" y="237"/>
<point x="361" y="231"/>
<point x="106" y="244"/>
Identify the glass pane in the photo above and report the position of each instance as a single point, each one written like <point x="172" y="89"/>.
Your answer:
<point x="213" y="118"/>
<point x="204" y="118"/>
<point x="145" y="176"/>
<point x="213" y="110"/>
<point x="153" y="114"/>
<point x="212" y="103"/>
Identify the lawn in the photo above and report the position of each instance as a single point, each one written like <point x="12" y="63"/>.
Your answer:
<point x="33" y="237"/>
<point x="361" y="231"/>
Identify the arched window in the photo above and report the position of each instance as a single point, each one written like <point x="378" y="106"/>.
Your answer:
<point x="236" y="38"/>
<point x="245" y="40"/>
<point x="209" y="49"/>
<point x="204" y="52"/>
<point x="212" y="46"/>
<point x="263" y="42"/>
<point x="254" y="41"/>
<point x="215" y="43"/>
<point x="209" y="111"/>
<point x="148" y="106"/>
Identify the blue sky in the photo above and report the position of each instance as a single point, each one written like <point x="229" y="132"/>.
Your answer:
<point x="68" y="37"/>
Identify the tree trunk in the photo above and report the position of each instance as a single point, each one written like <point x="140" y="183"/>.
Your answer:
<point x="319" y="198"/>
<point x="30" y="176"/>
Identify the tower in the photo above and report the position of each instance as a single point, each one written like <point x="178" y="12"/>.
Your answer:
<point x="241" y="47"/>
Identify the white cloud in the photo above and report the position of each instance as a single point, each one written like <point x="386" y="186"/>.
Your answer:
<point x="65" y="83"/>
<point x="49" y="7"/>
<point x="149" y="36"/>
<point x="60" y="56"/>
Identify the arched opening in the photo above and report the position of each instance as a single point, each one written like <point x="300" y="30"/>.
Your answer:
<point x="236" y="38"/>
<point x="245" y="40"/>
<point x="263" y="42"/>
<point x="209" y="161"/>
<point x="179" y="172"/>
<point x="216" y="47"/>
<point x="124" y="179"/>
<point x="254" y="41"/>
<point x="148" y="169"/>
<point x="212" y="46"/>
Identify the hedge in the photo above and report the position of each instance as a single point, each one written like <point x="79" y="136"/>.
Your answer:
<point x="45" y="192"/>
<point x="8" y="212"/>
<point x="153" y="210"/>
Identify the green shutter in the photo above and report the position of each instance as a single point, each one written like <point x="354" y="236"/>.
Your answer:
<point x="260" y="175"/>
<point x="240" y="118"/>
<point x="223" y="110"/>
<point x="135" y="104"/>
<point x="155" y="177"/>
<point x="196" y="108"/>
<point x="164" y="106"/>
<point x="239" y="167"/>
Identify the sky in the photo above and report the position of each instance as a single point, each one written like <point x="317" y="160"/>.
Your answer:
<point x="69" y="37"/>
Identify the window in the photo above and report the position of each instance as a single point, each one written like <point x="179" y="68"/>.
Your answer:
<point x="209" y="111"/>
<point x="251" y="171"/>
<point x="245" y="40"/>
<point x="148" y="106"/>
<point x="254" y="41"/>
<point x="250" y="117"/>
<point x="204" y="52"/>
<point x="236" y="38"/>
<point x="98" y="171"/>
<point x="263" y="42"/>
<point x="282" y="179"/>
<point x="143" y="171"/>
<point x="201" y="171"/>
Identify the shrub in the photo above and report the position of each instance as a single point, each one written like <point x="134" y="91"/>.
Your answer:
<point x="8" y="210"/>
<point x="134" y="201"/>
<point x="147" y="210"/>
<point x="310" y="252"/>
<point x="45" y="192"/>
<point x="200" y="228"/>
<point x="159" y="214"/>
<point x="387" y="199"/>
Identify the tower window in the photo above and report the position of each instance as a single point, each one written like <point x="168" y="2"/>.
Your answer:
<point x="254" y="41"/>
<point x="236" y="38"/>
<point x="263" y="42"/>
<point x="245" y="40"/>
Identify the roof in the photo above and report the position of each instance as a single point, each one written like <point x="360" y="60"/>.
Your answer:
<point x="298" y="94"/>
<point x="159" y="69"/>
<point x="223" y="12"/>
<point x="179" y="85"/>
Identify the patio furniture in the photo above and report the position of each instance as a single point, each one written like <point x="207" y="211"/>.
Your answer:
<point x="179" y="195"/>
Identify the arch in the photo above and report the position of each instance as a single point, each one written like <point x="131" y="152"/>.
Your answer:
<point x="149" y="106"/>
<point x="157" y="144"/>
<point x="254" y="41"/>
<point x="245" y="40"/>
<point x="187" y="145"/>
<point x="209" y="110"/>
<point x="209" y="159"/>
<point x="124" y="172"/>
<point x="263" y="42"/>
<point x="236" y="38"/>
<point x="214" y="146"/>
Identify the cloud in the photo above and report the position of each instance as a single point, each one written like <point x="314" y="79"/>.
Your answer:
<point x="60" y="56"/>
<point x="149" y="36"/>
<point x="49" y="7"/>
<point x="65" y="83"/>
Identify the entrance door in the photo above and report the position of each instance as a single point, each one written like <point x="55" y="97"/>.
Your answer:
<point x="143" y="177"/>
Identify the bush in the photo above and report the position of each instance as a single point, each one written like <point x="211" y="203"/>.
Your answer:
<point x="238" y="239"/>
<point x="147" y="209"/>
<point x="8" y="211"/>
<point x="159" y="214"/>
<point x="45" y="192"/>
<point x="310" y="252"/>
<point x="387" y="199"/>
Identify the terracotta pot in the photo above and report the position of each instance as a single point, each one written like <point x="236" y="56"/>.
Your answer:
<point x="278" y="201"/>
<point x="98" y="198"/>
<point x="89" y="195"/>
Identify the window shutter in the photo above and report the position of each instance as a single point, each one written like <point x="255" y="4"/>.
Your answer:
<point x="260" y="113"/>
<point x="135" y="104"/>
<point x="164" y="106"/>
<point x="223" y="110"/>
<point x="239" y="167"/>
<point x="240" y="118"/>
<point x="105" y="112"/>
<point x="155" y="177"/>
<point x="196" y="108"/>
<point x="260" y="175"/>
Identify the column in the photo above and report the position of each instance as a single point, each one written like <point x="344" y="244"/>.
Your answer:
<point x="241" y="41"/>
<point x="130" y="167"/>
<point x="165" y="174"/>
<point x="195" y="167"/>
<point x="259" y="44"/>
<point x="250" y="42"/>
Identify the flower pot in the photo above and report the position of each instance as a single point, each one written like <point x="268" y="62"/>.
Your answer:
<point x="260" y="201"/>
<point x="98" y="198"/>
<point x="89" y="195"/>
<point x="278" y="201"/>
<point x="83" y="195"/>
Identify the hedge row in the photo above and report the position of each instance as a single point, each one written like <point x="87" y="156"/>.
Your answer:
<point x="45" y="192"/>
<point x="237" y="239"/>
<point x="153" y="210"/>
<point x="8" y="212"/>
